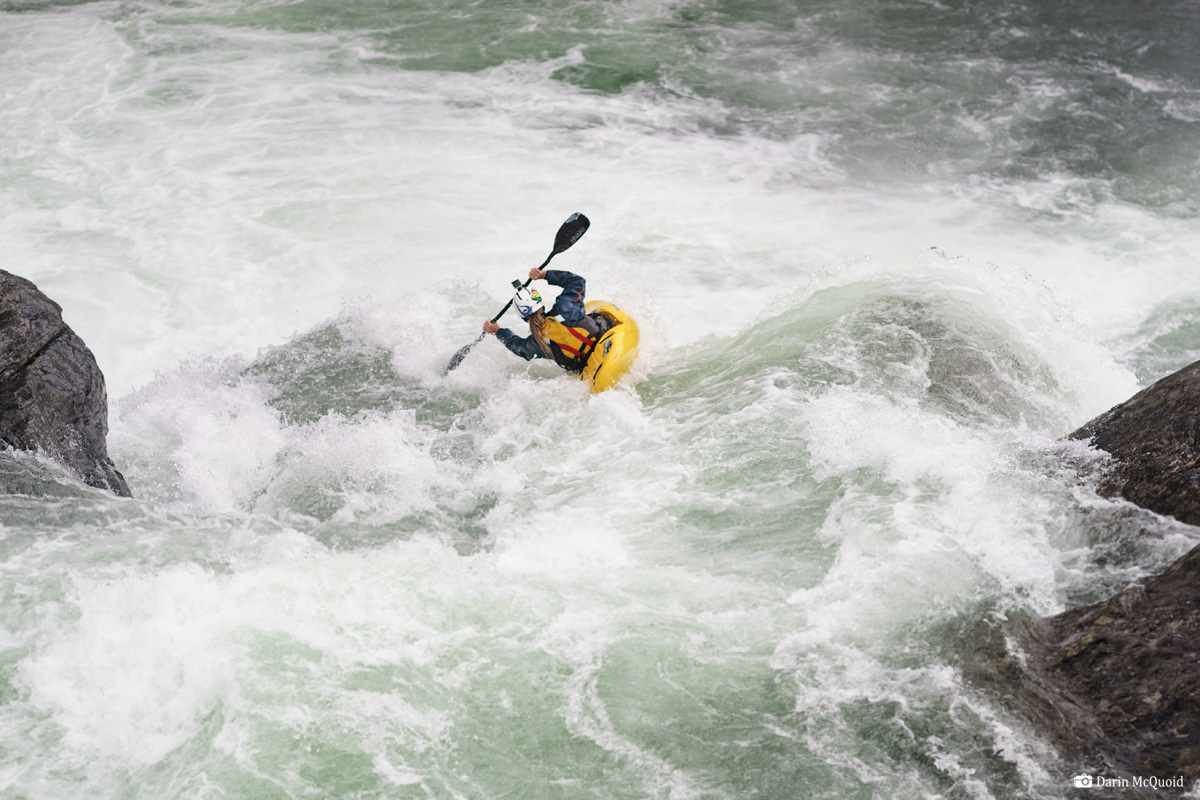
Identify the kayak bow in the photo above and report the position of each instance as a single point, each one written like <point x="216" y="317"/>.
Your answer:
<point x="616" y="350"/>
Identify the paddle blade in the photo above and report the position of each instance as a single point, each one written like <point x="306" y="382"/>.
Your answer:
<point x="460" y="355"/>
<point x="575" y="226"/>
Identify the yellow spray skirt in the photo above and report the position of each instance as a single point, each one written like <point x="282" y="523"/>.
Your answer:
<point x="616" y="351"/>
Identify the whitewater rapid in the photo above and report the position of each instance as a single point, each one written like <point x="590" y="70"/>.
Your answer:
<point x="881" y="264"/>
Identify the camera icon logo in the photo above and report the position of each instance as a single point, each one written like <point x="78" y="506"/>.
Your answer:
<point x="1083" y="781"/>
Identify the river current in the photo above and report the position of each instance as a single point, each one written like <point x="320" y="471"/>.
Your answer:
<point x="884" y="255"/>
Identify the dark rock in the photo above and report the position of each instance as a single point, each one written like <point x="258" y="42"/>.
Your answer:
<point x="52" y="394"/>
<point x="1116" y="684"/>
<point x="1152" y="437"/>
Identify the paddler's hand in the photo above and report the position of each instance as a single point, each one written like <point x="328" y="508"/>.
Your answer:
<point x="536" y="274"/>
<point x="490" y="327"/>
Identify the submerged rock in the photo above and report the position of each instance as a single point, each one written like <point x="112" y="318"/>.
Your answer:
<point x="1117" y="684"/>
<point x="52" y="394"/>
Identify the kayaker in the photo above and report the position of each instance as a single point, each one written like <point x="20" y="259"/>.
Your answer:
<point x="568" y="343"/>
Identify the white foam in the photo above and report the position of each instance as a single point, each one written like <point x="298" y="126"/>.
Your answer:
<point x="134" y="677"/>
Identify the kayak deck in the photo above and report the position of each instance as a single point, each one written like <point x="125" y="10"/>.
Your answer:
<point x="616" y="350"/>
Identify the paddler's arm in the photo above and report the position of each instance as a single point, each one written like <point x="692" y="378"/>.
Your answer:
<point x="569" y="304"/>
<point x="526" y="348"/>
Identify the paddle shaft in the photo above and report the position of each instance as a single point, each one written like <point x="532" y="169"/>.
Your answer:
<point x="524" y="285"/>
<point x="568" y="234"/>
<point x="461" y="354"/>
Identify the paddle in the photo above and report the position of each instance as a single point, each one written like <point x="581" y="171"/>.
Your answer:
<point x="575" y="226"/>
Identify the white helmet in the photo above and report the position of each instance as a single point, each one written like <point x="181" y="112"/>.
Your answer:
<point x="528" y="302"/>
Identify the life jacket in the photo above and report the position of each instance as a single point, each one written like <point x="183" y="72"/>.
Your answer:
<point x="571" y="346"/>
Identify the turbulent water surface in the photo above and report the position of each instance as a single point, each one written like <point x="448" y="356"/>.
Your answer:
<point x="883" y="255"/>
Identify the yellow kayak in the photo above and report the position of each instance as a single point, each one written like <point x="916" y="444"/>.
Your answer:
<point x="616" y="351"/>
